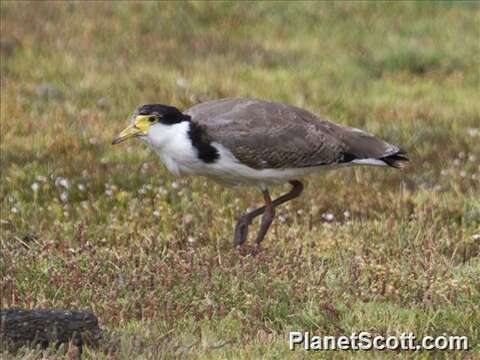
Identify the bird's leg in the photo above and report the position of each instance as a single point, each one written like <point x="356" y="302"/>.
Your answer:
<point x="241" y="229"/>
<point x="267" y="217"/>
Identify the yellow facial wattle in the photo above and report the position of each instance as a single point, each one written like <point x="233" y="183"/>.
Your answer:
<point x="139" y="127"/>
<point x="143" y="122"/>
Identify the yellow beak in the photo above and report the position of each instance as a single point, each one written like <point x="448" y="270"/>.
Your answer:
<point x="127" y="133"/>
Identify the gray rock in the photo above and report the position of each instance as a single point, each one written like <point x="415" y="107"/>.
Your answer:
<point x="103" y="103"/>
<point x="47" y="91"/>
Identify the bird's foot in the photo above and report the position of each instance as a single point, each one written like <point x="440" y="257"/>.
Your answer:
<point x="241" y="231"/>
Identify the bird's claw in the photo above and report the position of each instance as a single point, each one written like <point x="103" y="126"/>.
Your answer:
<point x="241" y="232"/>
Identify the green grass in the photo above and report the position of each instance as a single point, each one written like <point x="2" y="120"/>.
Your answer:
<point x="90" y="226"/>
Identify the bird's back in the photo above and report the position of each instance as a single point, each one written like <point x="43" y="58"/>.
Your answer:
<point x="263" y="135"/>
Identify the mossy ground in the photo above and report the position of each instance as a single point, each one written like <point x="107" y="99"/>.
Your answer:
<point x="91" y="226"/>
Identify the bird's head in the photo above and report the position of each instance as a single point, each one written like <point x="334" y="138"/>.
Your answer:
<point x="146" y="117"/>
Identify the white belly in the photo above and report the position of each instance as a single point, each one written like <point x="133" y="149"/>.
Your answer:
<point x="228" y="170"/>
<point x="178" y="154"/>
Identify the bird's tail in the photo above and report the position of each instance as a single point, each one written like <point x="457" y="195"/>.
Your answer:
<point x="398" y="160"/>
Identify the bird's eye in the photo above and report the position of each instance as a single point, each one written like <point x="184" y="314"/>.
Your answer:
<point x="151" y="118"/>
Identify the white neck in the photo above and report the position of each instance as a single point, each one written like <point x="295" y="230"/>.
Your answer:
<point x="172" y="143"/>
<point x="160" y="135"/>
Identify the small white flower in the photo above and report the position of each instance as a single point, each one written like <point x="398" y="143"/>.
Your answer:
<point x="191" y="240"/>
<point x="15" y="210"/>
<point x="156" y="214"/>
<point x="35" y="186"/>
<point x="109" y="192"/>
<point x="64" y="196"/>
<point x="473" y="132"/>
<point x="328" y="216"/>
<point x="187" y="219"/>
<point x="282" y="219"/>
<point x="81" y="187"/>
<point x="182" y="82"/>
<point x="162" y="190"/>
<point x="359" y="260"/>
<point x="175" y="185"/>
<point x="346" y="214"/>
<point x="62" y="182"/>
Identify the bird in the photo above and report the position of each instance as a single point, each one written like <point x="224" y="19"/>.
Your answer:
<point x="243" y="141"/>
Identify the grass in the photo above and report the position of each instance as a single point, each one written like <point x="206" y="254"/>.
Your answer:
<point x="90" y="226"/>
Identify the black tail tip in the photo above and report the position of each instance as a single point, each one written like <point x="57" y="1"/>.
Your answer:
<point x="398" y="160"/>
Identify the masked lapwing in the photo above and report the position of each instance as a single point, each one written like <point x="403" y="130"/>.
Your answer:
<point x="251" y="142"/>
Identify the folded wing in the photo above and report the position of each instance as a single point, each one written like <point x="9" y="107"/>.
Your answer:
<point x="271" y="135"/>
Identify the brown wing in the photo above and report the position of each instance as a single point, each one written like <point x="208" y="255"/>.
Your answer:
<point x="264" y="134"/>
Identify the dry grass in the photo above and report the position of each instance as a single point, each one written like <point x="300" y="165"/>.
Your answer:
<point x="88" y="225"/>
